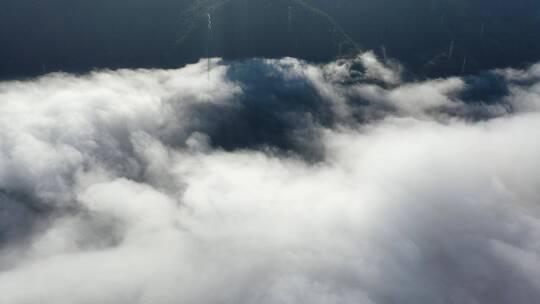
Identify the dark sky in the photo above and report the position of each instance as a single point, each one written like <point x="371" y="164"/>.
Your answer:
<point x="77" y="35"/>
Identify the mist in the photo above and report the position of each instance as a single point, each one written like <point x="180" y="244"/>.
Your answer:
<point x="270" y="181"/>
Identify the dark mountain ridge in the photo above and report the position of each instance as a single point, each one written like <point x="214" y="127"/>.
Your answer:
<point x="430" y="37"/>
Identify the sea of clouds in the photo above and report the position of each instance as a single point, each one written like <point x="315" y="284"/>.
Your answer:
<point x="270" y="181"/>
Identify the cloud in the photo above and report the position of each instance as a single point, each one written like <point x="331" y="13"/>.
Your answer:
<point x="270" y="181"/>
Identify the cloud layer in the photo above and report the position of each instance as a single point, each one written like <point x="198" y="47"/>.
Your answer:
<point x="270" y="181"/>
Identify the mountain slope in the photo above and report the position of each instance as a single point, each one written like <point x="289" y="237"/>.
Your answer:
<point x="78" y="35"/>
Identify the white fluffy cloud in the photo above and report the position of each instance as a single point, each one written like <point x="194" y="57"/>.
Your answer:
<point x="127" y="203"/>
